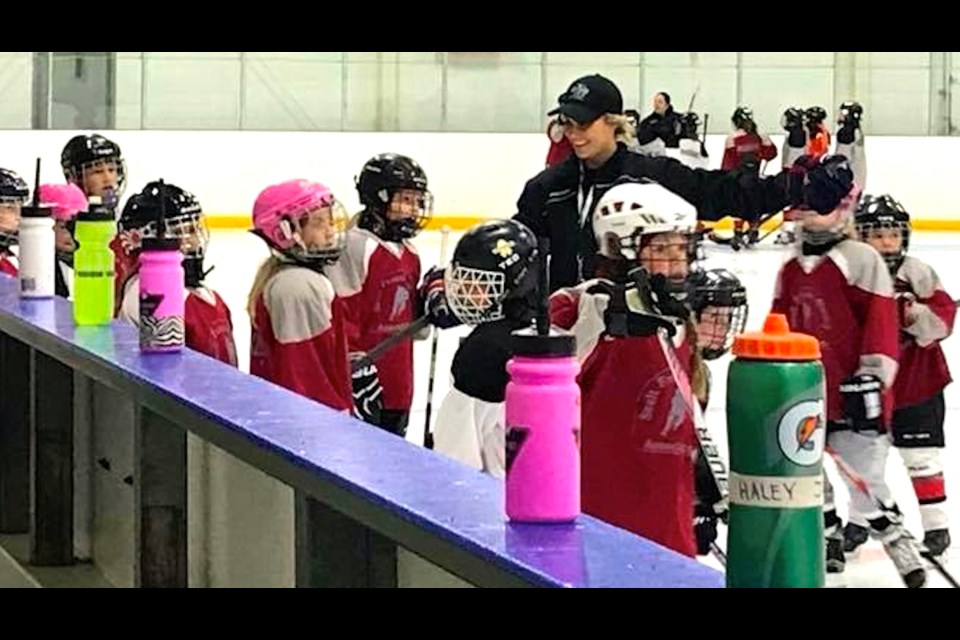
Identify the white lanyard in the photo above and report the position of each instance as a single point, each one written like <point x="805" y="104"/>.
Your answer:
<point x="584" y="202"/>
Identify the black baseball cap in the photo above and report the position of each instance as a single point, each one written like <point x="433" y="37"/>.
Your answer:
<point x="588" y="98"/>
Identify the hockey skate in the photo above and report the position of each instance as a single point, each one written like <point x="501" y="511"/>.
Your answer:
<point x="903" y="550"/>
<point x="753" y="236"/>
<point x="836" y="562"/>
<point x="854" y="536"/>
<point x="937" y="541"/>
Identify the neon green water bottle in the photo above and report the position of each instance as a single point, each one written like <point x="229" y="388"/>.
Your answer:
<point x="776" y="426"/>
<point x="93" y="272"/>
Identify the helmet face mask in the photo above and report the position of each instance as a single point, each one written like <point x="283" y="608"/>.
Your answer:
<point x="883" y="223"/>
<point x="719" y="302"/>
<point x="95" y="164"/>
<point x="393" y="191"/>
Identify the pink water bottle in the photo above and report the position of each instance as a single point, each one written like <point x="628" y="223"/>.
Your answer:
<point x="543" y="419"/>
<point x="543" y="429"/>
<point x="161" y="296"/>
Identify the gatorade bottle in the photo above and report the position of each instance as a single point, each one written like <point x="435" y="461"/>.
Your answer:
<point x="776" y="426"/>
<point x="93" y="288"/>
<point x="543" y="428"/>
<point x="161" y="296"/>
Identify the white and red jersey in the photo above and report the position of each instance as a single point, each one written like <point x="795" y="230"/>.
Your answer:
<point x="207" y="320"/>
<point x="8" y="265"/>
<point x="124" y="265"/>
<point x="743" y="148"/>
<point x="638" y="443"/>
<point x="377" y="281"/>
<point x="844" y="298"/>
<point x="299" y="340"/>
<point x="925" y="321"/>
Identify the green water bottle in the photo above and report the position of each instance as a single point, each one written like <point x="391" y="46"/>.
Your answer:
<point x="93" y="272"/>
<point x="776" y="426"/>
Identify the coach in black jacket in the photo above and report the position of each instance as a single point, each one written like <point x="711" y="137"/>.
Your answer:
<point x="559" y="202"/>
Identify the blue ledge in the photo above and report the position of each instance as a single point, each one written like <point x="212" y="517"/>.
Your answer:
<point x="444" y="499"/>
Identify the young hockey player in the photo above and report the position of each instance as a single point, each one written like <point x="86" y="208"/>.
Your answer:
<point x="96" y="165"/>
<point x="638" y="443"/>
<point x="299" y="337"/>
<point x="818" y="140"/>
<point x="850" y="141"/>
<point x="927" y="315"/>
<point x="746" y="149"/>
<point x="66" y="201"/>
<point x="490" y="285"/>
<point x="209" y="327"/>
<point x="839" y="290"/>
<point x="794" y="146"/>
<point x="377" y="276"/>
<point x="13" y="195"/>
<point x="560" y="148"/>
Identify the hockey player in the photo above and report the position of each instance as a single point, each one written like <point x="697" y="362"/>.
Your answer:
<point x="299" y="337"/>
<point x="746" y="149"/>
<point x="96" y="165"/>
<point x="13" y="195"/>
<point x="490" y="285"/>
<point x="209" y="327"/>
<point x="818" y="140"/>
<point x="839" y="290"/>
<point x="794" y="146"/>
<point x="638" y="443"/>
<point x="718" y="301"/>
<point x="66" y="201"/>
<point x="927" y="315"/>
<point x="560" y="148"/>
<point x="850" y="141"/>
<point x="377" y="277"/>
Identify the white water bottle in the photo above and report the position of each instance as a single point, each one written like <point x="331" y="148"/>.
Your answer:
<point x="38" y="257"/>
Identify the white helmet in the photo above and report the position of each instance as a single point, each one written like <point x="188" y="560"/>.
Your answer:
<point x="631" y="210"/>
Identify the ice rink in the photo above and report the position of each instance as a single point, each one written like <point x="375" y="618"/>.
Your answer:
<point x="237" y="254"/>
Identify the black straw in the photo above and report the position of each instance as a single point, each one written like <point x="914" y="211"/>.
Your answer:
<point x="36" y="186"/>
<point x="543" y="304"/>
<point x="163" y="213"/>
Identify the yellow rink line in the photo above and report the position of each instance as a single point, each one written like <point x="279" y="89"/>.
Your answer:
<point x="462" y="223"/>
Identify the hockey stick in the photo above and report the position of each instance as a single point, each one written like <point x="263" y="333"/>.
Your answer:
<point x="377" y="352"/>
<point x="427" y="434"/>
<point x="858" y="481"/>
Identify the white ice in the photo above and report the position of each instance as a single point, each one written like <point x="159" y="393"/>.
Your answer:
<point x="237" y="254"/>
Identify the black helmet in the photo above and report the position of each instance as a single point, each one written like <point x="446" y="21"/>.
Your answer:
<point x="381" y="177"/>
<point x="792" y="119"/>
<point x="719" y="302"/>
<point x="494" y="262"/>
<point x="815" y="115"/>
<point x="740" y="115"/>
<point x="85" y="149"/>
<point x="851" y="112"/>
<point x="883" y="212"/>
<point x="13" y="190"/>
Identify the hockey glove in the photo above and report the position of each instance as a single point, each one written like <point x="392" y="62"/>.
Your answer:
<point x="434" y="298"/>
<point x="819" y="185"/>
<point x="862" y="397"/>
<point x="793" y="124"/>
<point x="705" y="528"/>
<point x="367" y="393"/>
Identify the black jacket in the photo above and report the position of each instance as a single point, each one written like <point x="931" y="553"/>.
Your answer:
<point x="549" y="205"/>
<point x="666" y="127"/>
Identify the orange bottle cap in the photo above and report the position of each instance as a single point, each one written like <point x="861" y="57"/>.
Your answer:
<point x="776" y="342"/>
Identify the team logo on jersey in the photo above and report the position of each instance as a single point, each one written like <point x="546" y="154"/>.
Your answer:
<point x="801" y="433"/>
<point x="516" y="436"/>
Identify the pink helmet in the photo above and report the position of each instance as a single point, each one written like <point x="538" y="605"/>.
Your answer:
<point x="67" y="200"/>
<point x="279" y="209"/>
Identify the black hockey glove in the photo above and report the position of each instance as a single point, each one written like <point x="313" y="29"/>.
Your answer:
<point x="367" y="393"/>
<point x="819" y="185"/>
<point x="792" y="122"/>
<point x="434" y="298"/>
<point x="862" y="397"/>
<point x="705" y="528"/>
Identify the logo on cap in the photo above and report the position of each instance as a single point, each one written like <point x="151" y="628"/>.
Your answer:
<point x="579" y="91"/>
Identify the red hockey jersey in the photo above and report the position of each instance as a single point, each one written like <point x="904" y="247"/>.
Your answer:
<point x="377" y="281"/>
<point x="8" y="266"/>
<point x="743" y="148"/>
<point x="299" y="338"/>
<point x="844" y="299"/>
<point x="638" y="442"/>
<point x="124" y="265"/>
<point x="925" y="321"/>
<point x="207" y="320"/>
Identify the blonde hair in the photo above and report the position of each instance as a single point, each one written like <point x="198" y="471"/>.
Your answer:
<point x="269" y="268"/>
<point x="624" y="130"/>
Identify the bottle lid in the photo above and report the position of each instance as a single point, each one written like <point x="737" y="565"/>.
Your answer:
<point x="557" y="344"/>
<point x="776" y="342"/>
<point x="95" y="214"/>
<point x="161" y="244"/>
<point x="42" y="211"/>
